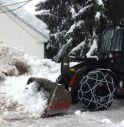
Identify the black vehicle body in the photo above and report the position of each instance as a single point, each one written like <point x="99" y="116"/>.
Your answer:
<point x="110" y="59"/>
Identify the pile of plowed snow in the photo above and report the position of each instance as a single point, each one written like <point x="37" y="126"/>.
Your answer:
<point x="15" y="69"/>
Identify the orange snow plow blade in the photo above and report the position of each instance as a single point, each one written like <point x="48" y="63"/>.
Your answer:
<point x="59" y="99"/>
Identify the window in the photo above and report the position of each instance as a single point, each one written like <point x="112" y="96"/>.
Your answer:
<point x="111" y="40"/>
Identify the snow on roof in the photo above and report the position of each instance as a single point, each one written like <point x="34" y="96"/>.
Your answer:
<point x="27" y="18"/>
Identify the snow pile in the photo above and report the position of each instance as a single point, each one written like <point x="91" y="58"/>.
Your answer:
<point x="109" y="123"/>
<point x="78" y="112"/>
<point x="20" y="100"/>
<point x="106" y="121"/>
<point x="12" y="62"/>
<point x="44" y="68"/>
<point x="14" y="98"/>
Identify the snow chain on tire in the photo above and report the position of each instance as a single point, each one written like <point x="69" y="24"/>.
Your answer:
<point x="96" y="90"/>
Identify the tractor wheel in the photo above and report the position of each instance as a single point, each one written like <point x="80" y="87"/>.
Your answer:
<point x="96" y="90"/>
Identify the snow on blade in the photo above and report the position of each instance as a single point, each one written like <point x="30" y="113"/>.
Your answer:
<point x="14" y="97"/>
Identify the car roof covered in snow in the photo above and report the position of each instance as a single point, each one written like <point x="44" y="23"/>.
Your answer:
<point x="28" y="18"/>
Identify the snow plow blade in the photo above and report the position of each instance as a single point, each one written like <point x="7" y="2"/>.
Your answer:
<point x="59" y="99"/>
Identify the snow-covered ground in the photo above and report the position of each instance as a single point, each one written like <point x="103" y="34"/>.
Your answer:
<point x="20" y="107"/>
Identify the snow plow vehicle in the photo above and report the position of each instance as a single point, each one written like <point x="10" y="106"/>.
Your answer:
<point x="93" y="82"/>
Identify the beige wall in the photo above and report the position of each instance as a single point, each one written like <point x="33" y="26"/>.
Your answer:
<point x="14" y="32"/>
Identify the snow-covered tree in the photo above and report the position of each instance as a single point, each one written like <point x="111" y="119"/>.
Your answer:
<point x="71" y="24"/>
<point x="80" y="35"/>
<point x="114" y="9"/>
<point x="110" y="13"/>
<point x="57" y="15"/>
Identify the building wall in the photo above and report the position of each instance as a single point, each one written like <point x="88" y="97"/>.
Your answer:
<point x="13" y="32"/>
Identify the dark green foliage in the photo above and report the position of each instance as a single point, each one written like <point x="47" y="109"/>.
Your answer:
<point x="114" y="10"/>
<point x="57" y="16"/>
<point x="73" y="24"/>
<point x="82" y="29"/>
<point x="111" y="13"/>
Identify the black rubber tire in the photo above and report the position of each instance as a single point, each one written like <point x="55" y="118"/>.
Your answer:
<point x="96" y="90"/>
